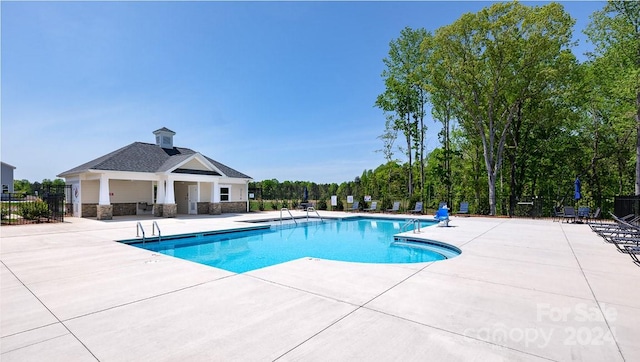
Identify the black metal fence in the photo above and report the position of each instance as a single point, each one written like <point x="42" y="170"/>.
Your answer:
<point x="543" y="207"/>
<point x="626" y="205"/>
<point x="16" y="208"/>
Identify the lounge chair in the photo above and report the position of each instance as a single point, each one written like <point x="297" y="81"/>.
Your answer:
<point x="629" y="221"/>
<point x="633" y="252"/>
<point x="395" y="208"/>
<point x="620" y="233"/>
<point x="355" y="206"/>
<point x="417" y="209"/>
<point x="373" y="207"/>
<point x="464" y="208"/>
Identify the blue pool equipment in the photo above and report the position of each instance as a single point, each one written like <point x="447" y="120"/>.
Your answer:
<point x="442" y="215"/>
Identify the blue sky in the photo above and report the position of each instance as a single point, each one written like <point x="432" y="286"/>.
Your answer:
<point x="282" y="90"/>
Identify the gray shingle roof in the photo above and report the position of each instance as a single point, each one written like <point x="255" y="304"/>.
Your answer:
<point x="146" y="157"/>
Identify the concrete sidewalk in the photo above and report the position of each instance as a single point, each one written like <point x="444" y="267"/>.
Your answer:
<point x="521" y="290"/>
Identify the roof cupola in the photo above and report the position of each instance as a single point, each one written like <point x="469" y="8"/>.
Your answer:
<point x="164" y="137"/>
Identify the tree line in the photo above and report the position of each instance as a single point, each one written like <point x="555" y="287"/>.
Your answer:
<point x="25" y="187"/>
<point x="521" y="116"/>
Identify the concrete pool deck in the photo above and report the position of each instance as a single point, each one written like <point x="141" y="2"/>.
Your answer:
<point x="522" y="289"/>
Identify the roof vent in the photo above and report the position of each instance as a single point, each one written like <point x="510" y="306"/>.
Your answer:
<point x="164" y="137"/>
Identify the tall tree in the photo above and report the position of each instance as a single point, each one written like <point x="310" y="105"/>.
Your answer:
<point x="404" y="97"/>
<point x="615" y="32"/>
<point x="495" y="60"/>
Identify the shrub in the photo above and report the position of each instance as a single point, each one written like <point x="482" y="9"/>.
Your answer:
<point x="34" y="210"/>
<point x="274" y="204"/>
<point x="5" y="210"/>
<point x="322" y="204"/>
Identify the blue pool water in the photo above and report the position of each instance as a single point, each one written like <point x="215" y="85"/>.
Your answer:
<point x="354" y="240"/>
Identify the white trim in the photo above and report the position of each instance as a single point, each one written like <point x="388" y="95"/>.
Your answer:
<point x="200" y="158"/>
<point x="229" y="194"/>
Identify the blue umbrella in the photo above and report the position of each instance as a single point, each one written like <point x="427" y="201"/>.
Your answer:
<point x="577" y="189"/>
<point x="305" y="194"/>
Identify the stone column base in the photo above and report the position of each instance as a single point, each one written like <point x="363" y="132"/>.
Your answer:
<point x="169" y="210"/>
<point x="215" y="208"/>
<point x="104" y="212"/>
<point x="157" y="210"/>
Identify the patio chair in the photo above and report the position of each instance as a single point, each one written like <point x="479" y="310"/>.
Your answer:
<point x="569" y="213"/>
<point x="464" y="208"/>
<point x="373" y="207"/>
<point x="557" y="213"/>
<point x="355" y="206"/>
<point x="595" y="216"/>
<point x="395" y="208"/>
<point x="417" y="209"/>
<point x="584" y="212"/>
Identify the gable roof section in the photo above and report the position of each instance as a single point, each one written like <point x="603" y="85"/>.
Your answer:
<point x="146" y="157"/>
<point x="227" y="170"/>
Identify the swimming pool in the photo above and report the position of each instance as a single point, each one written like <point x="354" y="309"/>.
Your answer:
<point x="364" y="240"/>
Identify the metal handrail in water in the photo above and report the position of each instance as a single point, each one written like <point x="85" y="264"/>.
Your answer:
<point x="292" y="218"/>
<point x="416" y="225"/>
<point x="314" y="210"/>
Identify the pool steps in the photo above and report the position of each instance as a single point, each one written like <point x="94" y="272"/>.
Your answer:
<point x="447" y="250"/>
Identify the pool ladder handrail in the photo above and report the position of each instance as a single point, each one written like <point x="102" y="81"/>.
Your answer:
<point x="416" y="225"/>
<point x="287" y="210"/>
<point x="138" y="228"/>
<point x="314" y="210"/>
<point x="153" y="231"/>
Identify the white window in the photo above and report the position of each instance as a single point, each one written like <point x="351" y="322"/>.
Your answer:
<point x="224" y="194"/>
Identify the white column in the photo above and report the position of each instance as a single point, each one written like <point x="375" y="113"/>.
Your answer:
<point x="161" y="192"/>
<point x="216" y="191"/>
<point x="170" y="198"/>
<point x="77" y="199"/>
<point x="104" y="190"/>
<point x="212" y="191"/>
